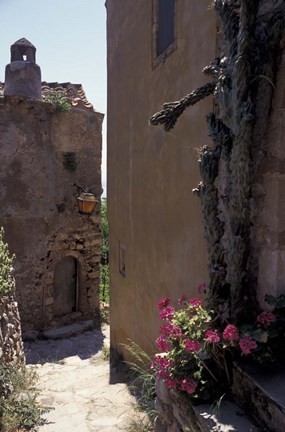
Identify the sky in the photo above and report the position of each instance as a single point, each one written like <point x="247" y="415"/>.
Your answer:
<point x="70" y="37"/>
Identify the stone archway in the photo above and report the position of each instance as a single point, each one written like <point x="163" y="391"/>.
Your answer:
<point x="65" y="286"/>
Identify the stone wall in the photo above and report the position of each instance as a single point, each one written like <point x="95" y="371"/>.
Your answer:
<point x="174" y="413"/>
<point x="11" y="346"/>
<point x="44" y="154"/>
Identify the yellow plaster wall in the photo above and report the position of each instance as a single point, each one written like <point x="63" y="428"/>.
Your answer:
<point x="151" y="173"/>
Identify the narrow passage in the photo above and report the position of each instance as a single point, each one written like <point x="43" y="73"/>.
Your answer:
<point x="74" y="377"/>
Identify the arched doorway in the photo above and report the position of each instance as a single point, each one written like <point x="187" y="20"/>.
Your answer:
<point x="65" y="286"/>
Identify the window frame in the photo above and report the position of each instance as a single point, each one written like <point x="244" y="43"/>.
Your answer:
<point x="161" y="58"/>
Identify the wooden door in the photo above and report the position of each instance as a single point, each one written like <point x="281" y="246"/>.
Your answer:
<point x="65" y="286"/>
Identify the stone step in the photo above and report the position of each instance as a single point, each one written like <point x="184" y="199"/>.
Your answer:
<point x="262" y="392"/>
<point x="227" y="417"/>
<point x="59" y="332"/>
<point x="68" y="331"/>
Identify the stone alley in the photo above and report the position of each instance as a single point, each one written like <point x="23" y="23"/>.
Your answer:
<point x="76" y="381"/>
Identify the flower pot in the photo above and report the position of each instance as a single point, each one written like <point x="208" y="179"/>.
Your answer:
<point x="86" y="202"/>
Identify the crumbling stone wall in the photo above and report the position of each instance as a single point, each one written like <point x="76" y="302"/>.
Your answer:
<point x="174" y="413"/>
<point x="11" y="346"/>
<point x="44" y="153"/>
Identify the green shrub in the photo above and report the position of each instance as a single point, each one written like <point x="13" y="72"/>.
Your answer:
<point x="143" y="384"/>
<point x="104" y="283"/>
<point x="104" y="267"/>
<point x="61" y="103"/>
<point x="7" y="282"/>
<point x="18" y="406"/>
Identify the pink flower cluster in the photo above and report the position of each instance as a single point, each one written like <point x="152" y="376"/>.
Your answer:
<point x="231" y="333"/>
<point x="172" y="331"/>
<point x="186" y="335"/>
<point x="164" y="367"/>
<point x="202" y="288"/>
<point x="182" y="299"/>
<point x="164" y="302"/>
<point x="188" y="385"/>
<point x="265" y="318"/>
<point x="167" y="313"/>
<point x="195" y="302"/>
<point x="163" y="344"/>
<point x="247" y="344"/>
<point x="211" y="336"/>
<point x="192" y="345"/>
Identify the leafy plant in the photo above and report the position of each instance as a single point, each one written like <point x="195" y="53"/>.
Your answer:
<point x="104" y="266"/>
<point x="143" y="383"/>
<point x="198" y="345"/>
<point x="61" y="103"/>
<point x="18" y="406"/>
<point x="7" y="282"/>
<point x="140" y="425"/>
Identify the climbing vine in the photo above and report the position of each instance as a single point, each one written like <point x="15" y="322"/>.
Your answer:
<point x="242" y="85"/>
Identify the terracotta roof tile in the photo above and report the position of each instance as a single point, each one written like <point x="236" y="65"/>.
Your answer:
<point x="74" y="93"/>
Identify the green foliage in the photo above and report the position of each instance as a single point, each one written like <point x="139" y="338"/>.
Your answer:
<point x="143" y="383"/>
<point x="105" y="232"/>
<point x="7" y="282"/>
<point x="104" y="283"/>
<point x="61" y="103"/>
<point x="18" y="406"/>
<point x="141" y="425"/>
<point x="104" y="267"/>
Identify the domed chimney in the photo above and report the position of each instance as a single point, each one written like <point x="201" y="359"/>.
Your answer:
<point x="23" y="75"/>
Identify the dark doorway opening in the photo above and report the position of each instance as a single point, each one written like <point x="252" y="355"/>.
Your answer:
<point x="65" y="286"/>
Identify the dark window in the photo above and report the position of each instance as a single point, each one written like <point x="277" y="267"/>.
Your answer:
<point x="122" y="259"/>
<point x="165" y="31"/>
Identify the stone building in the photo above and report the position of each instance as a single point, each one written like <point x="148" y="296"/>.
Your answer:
<point x="156" y="237"/>
<point x="45" y="153"/>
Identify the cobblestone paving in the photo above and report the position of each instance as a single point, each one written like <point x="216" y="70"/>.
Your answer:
<point x="75" y="381"/>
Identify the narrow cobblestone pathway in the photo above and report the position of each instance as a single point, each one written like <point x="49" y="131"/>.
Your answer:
<point x="74" y="377"/>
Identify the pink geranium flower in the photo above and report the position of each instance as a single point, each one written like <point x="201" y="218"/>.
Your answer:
<point x="171" y="330"/>
<point x="171" y="382"/>
<point x="167" y="313"/>
<point x="188" y="385"/>
<point x="211" y="336"/>
<point x="192" y="345"/>
<point x="162" y="366"/>
<point x="265" y="318"/>
<point x="164" y="302"/>
<point x="163" y="344"/>
<point x="195" y="302"/>
<point x="231" y="333"/>
<point x="202" y="288"/>
<point x="182" y="299"/>
<point x="247" y="344"/>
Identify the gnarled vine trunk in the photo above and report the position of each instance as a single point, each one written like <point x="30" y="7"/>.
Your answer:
<point x="242" y="86"/>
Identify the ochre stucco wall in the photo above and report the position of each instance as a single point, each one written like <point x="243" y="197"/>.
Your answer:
<point x="38" y="203"/>
<point x="151" y="174"/>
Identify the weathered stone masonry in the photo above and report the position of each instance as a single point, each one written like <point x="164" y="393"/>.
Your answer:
<point x="11" y="346"/>
<point x="44" y="154"/>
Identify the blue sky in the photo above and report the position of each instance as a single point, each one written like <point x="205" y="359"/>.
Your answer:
<point x="70" y="37"/>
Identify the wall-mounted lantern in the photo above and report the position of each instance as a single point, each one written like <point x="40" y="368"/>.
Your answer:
<point x="86" y="201"/>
